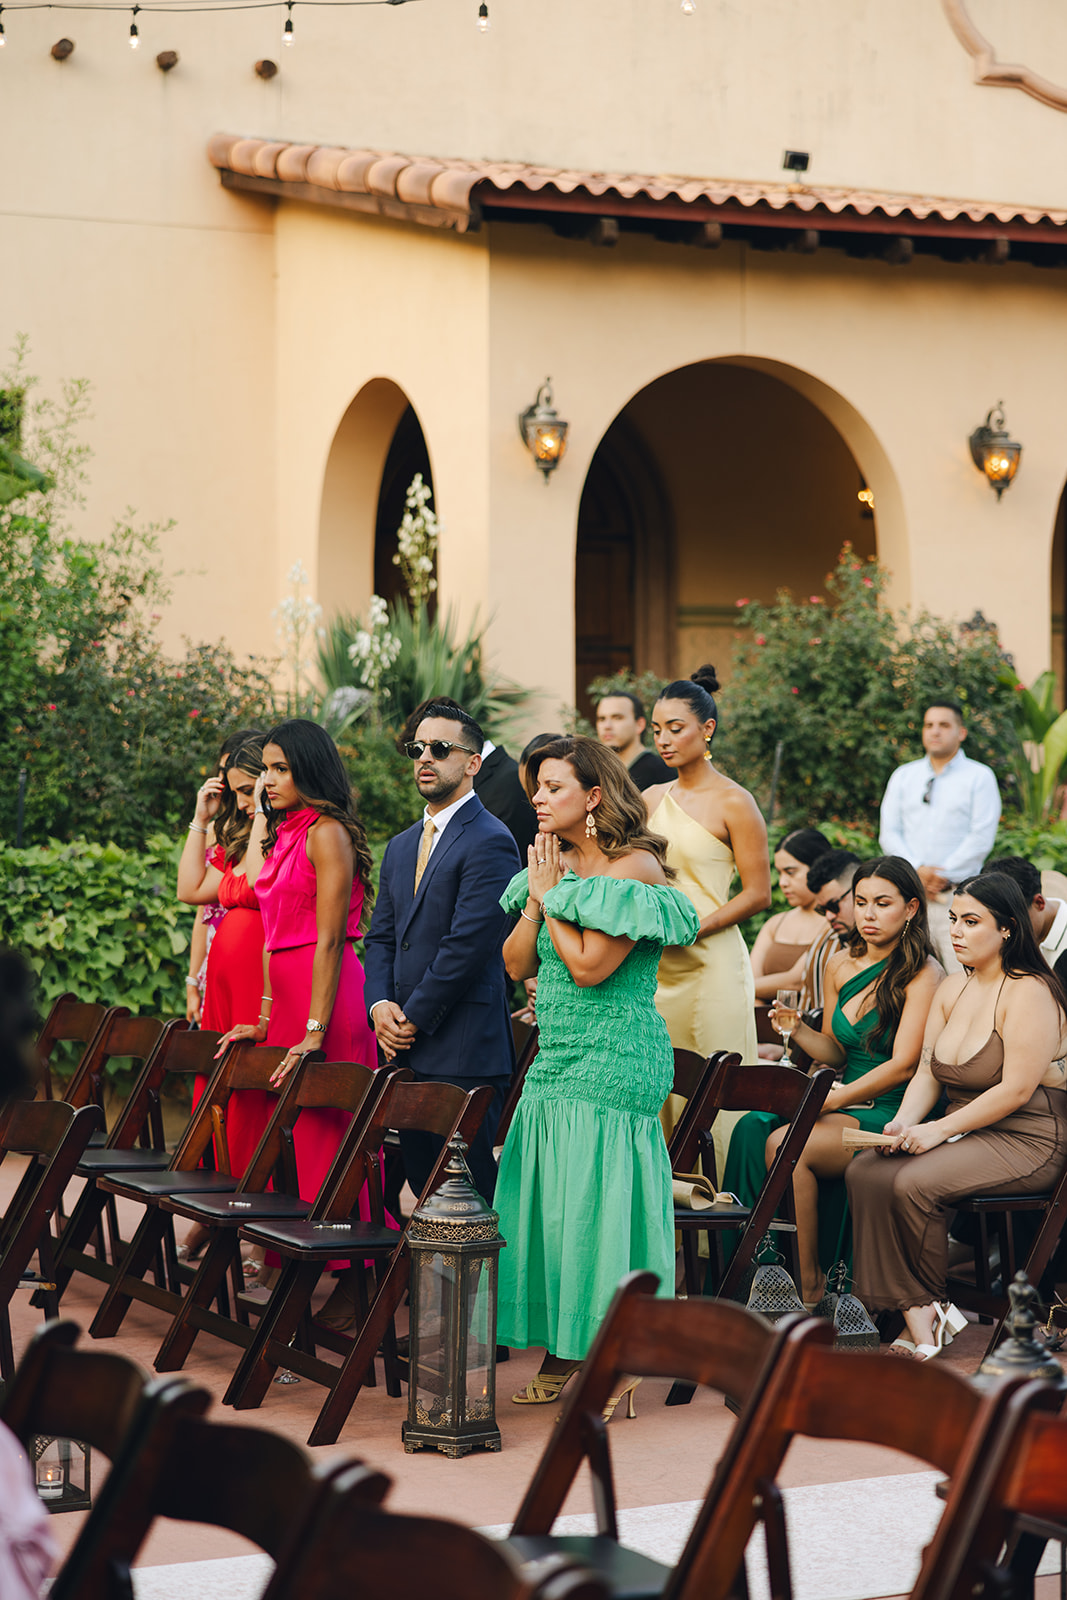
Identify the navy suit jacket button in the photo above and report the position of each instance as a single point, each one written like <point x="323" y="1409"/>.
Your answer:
<point x="404" y="945"/>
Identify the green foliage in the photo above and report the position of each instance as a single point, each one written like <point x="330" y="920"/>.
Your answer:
<point x="99" y="921"/>
<point x="1039" y="755"/>
<point x="844" y="686"/>
<point x="111" y="732"/>
<point x="387" y="798"/>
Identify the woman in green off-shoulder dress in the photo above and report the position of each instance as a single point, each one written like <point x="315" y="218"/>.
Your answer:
<point x="584" y="1192"/>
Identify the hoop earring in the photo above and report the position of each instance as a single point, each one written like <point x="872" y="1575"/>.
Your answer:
<point x="590" y="824"/>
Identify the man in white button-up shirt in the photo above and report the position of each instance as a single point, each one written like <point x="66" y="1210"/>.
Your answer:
<point x="941" y="814"/>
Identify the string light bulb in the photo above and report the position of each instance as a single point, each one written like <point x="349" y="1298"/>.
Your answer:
<point x="483" y="18"/>
<point x="287" y="31"/>
<point x="688" y="7"/>
<point x="3" y="35"/>
<point x="134" y="36"/>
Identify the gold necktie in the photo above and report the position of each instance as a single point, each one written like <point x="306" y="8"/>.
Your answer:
<point x="428" y="831"/>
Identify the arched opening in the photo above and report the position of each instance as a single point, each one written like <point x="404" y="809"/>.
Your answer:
<point x="407" y="456"/>
<point x="351" y="495"/>
<point x="716" y="482"/>
<point x="1059" y="599"/>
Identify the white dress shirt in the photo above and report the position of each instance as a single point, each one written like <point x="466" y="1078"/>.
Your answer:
<point x="946" y="819"/>
<point x="1055" y="941"/>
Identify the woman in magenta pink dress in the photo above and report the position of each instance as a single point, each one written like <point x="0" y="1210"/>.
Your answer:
<point x="310" y="866"/>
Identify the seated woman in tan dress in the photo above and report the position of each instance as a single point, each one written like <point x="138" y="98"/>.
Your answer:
<point x="994" y="1041"/>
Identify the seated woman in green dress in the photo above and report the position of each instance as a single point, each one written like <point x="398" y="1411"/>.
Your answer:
<point x="584" y="1192"/>
<point x="875" y="1003"/>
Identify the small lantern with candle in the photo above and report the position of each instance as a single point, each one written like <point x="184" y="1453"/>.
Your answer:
<point x="62" y="1473"/>
<point x="454" y="1241"/>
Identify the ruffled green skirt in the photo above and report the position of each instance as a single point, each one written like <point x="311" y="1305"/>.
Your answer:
<point x="584" y="1196"/>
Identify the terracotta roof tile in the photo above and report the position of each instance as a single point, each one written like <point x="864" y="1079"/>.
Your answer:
<point x="418" y="186"/>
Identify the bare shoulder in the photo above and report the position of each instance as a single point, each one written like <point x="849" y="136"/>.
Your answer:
<point x="949" y="989"/>
<point x="840" y="966"/>
<point x="639" y="866"/>
<point x="654" y="794"/>
<point x="329" y="836"/>
<point x="931" y="977"/>
<point x="1023" y="994"/>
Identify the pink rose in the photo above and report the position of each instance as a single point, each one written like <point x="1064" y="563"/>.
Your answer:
<point x="815" y="599"/>
<point x="53" y="708"/>
<point x="794" y="691"/>
<point x="761" y="638"/>
<point x="745" y="602"/>
<point x="815" y="641"/>
<point x="868" y="583"/>
<point x="194" y="713"/>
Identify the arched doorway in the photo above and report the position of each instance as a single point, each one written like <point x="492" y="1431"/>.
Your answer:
<point x="1059" y="599"/>
<point x="407" y="456"/>
<point x="716" y="482"/>
<point x="351" y="495"/>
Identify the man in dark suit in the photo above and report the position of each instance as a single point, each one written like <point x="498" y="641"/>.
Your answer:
<point x="498" y="788"/>
<point x="436" y="986"/>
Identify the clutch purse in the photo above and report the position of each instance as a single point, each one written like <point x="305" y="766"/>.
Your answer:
<point x="694" y="1192"/>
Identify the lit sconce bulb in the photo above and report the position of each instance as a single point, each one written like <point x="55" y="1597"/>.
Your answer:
<point x="483" y="18"/>
<point x="287" y="31"/>
<point x="134" y="37"/>
<point x="688" y="7"/>
<point x="3" y="36"/>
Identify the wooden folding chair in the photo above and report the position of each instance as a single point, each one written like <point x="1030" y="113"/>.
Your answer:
<point x="249" y="1480"/>
<point x="119" y="1037"/>
<point x="982" y="1295"/>
<point x="523" y="1063"/>
<point x="697" y="1341"/>
<point x="55" y="1136"/>
<point x="95" y="1396"/>
<point x="337" y="1085"/>
<point x="244" y="1066"/>
<point x="330" y="1233"/>
<point x="1004" y="1505"/>
<point x="923" y="1409"/>
<point x="135" y="1144"/>
<point x="356" y="1548"/>
<point x="70" y="1021"/>
<point x="794" y="1097"/>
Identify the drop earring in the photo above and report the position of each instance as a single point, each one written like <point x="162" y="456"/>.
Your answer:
<point x="590" y="825"/>
<point x="707" y="747"/>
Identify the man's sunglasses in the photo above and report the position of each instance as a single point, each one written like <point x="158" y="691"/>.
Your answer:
<point x="439" y="749"/>
<point x="828" y="908"/>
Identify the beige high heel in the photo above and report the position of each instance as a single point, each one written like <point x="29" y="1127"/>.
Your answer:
<point x="626" y="1394"/>
<point x="544" y="1388"/>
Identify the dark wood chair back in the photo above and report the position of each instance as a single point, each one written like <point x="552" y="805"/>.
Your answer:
<point x="244" y="1066"/>
<point x="523" y="1063"/>
<point x="70" y="1021"/>
<point x="695" y="1079"/>
<point x="120" y="1036"/>
<point x="1005" y="1501"/>
<point x="708" y="1342"/>
<point x="251" y="1481"/>
<point x="922" y="1409"/>
<point x="360" y="1548"/>
<point x="181" y="1052"/>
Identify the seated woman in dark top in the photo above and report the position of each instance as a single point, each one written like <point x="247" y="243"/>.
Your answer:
<point x="875" y="1007"/>
<point x="995" y="1042"/>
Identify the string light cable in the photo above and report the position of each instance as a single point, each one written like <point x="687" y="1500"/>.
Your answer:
<point x="167" y="9"/>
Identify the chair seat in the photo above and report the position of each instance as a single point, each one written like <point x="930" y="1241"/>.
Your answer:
<point x="716" y="1216"/>
<point x="98" y="1140"/>
<point x="223" y="1210"/>
<point x="1003" y="1202"/>
<point x="95" y="1163"/>
<point x="628" y="1574"/>
<point x="150" y="1184"/>
<point x="326" y="1241"/>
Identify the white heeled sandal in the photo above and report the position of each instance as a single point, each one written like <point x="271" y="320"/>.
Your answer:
<point x="948" y="1321"/>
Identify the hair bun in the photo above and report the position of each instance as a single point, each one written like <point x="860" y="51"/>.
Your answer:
<point x="706" y="677"/>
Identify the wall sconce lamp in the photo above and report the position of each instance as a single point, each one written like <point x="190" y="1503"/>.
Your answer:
<point x="994" y="452"/>
<point x="542" y="431"/>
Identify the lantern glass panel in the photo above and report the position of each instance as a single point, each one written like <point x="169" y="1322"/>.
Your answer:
<point x="435" y="1296"/>
<point x="549" y="441"/>
<point x="481" y="1333"/>
<point x="61" y="1472"/>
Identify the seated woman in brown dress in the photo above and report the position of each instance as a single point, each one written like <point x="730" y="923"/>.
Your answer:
<point x="995" y="1040"/>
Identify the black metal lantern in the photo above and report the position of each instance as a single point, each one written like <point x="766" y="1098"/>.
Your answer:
<point x="454" y="1241"/>
<point x="853" y="1328"/>
<point x="61" y="1470"/>
<point x="994" y="452"/>
<point x="1020" y="1356"/>
<point x="543" y="432"/>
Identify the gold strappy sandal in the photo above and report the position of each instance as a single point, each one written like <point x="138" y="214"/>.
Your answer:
<point x="544" y="1389"/>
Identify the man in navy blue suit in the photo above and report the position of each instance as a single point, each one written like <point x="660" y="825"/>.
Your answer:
<point x="436" y="985"/>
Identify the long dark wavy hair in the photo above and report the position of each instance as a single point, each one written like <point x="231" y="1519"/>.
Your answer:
<point x="322" y="782"/>
<point x="621" y="818"/>
<point x="1020" y="954"/>
<point x="227" y="817"/>
<point x="232" y="833"/>
<point x="913" y="949"/>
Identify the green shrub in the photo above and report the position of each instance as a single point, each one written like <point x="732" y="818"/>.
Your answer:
<point x="99" y="921"/>
<point x="843" y="686"/>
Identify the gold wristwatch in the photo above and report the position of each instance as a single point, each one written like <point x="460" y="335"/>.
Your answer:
<point x="315" y="1027"/>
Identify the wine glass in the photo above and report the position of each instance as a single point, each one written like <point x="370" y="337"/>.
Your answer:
<point x="786" y="1004"/>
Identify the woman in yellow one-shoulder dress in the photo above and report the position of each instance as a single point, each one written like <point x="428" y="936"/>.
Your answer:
<point x="713" y="829"/>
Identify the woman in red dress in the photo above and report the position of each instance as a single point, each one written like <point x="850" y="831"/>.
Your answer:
<point x="234" y="987"/>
